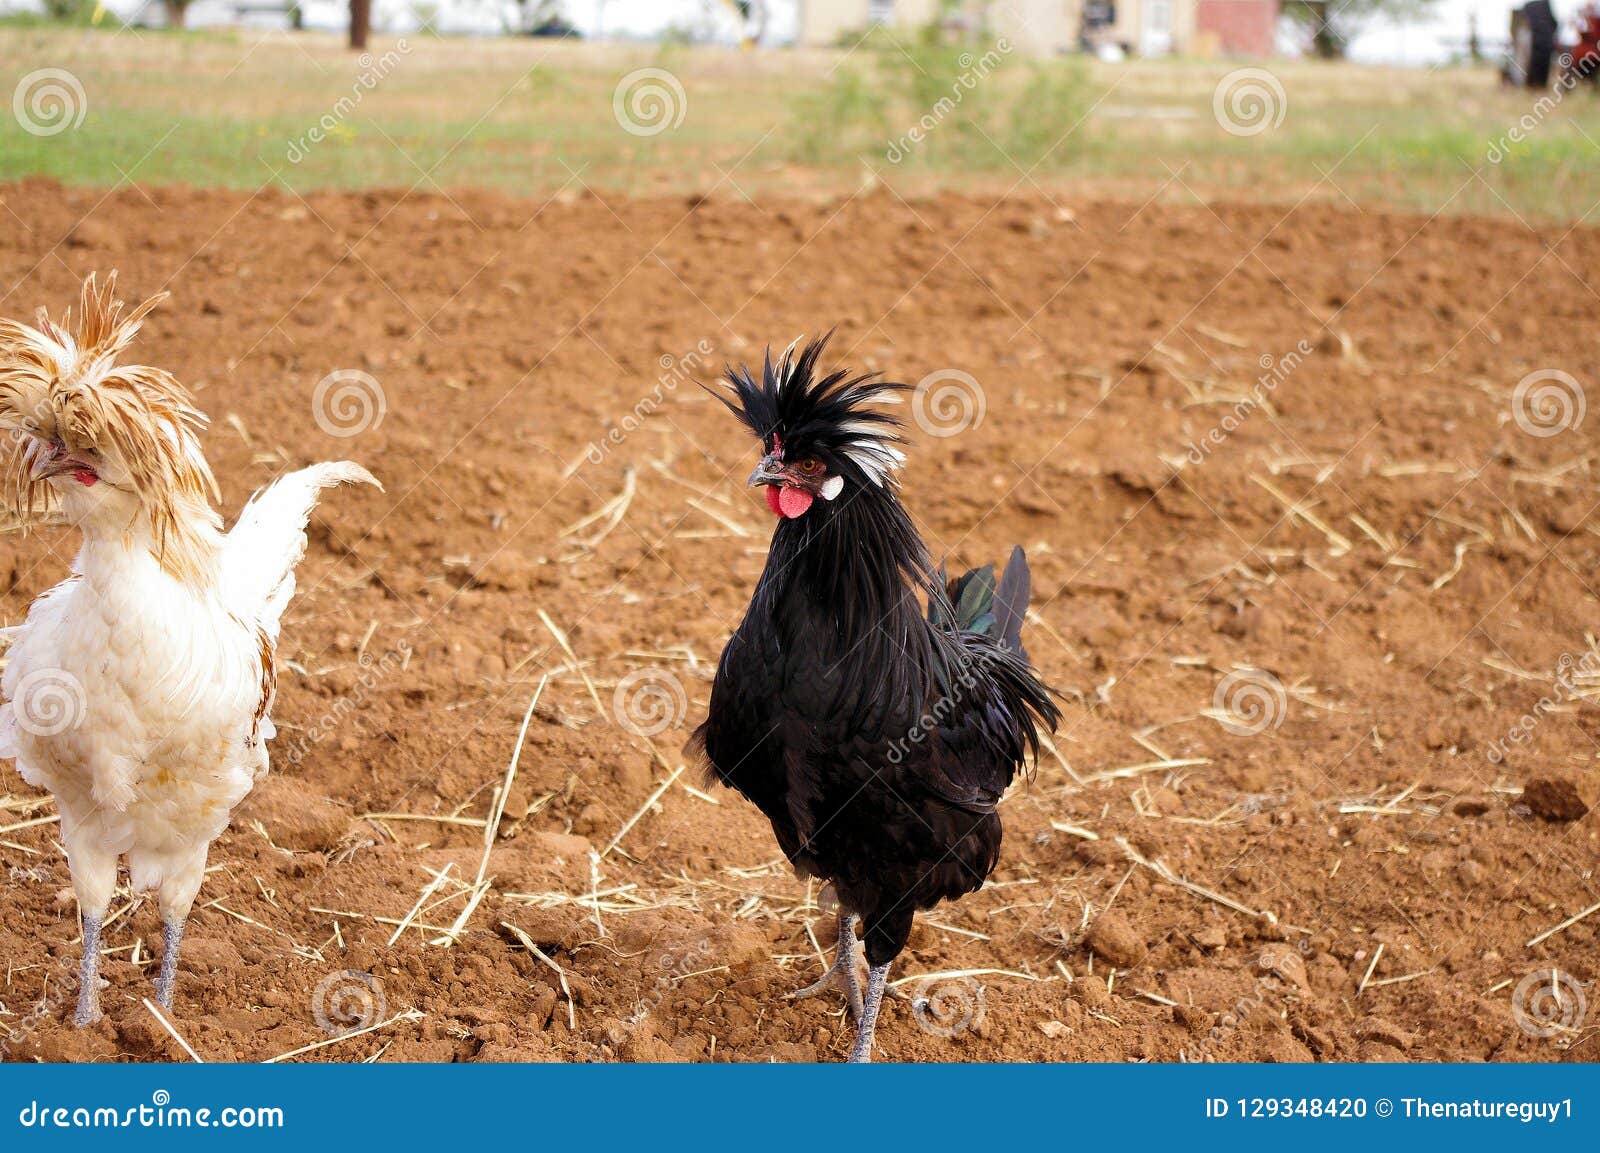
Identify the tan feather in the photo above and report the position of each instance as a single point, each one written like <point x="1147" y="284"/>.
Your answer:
<point x="63" y="385"/>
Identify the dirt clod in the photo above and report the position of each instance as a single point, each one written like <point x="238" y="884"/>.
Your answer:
<point x="1112" y="937"/>
<point x="1554" y="799"/>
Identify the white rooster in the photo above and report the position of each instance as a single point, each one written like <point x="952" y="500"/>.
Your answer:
<point x="139" y="689"/>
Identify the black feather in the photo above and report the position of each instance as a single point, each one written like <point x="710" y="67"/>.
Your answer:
<point x="1011" y="601"/>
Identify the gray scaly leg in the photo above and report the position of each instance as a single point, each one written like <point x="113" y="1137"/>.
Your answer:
<point x="171" y="938"/>
<point x="89" y="975"/>
<point x="843" y="969"/>
<point x="877" y="980"/>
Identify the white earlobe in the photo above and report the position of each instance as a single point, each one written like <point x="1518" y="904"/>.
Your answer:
<point x="832" y="487"/>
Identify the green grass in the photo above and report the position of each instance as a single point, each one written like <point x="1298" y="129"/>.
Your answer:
<point x="531" y="116"/>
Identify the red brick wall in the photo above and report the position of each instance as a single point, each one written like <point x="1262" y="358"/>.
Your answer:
<point x="1242" y="27"/>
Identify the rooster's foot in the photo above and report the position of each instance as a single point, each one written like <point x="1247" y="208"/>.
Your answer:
<point x="843" y="971"/>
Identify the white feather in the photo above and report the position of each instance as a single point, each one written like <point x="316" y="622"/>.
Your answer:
<point x="162" y="685"/>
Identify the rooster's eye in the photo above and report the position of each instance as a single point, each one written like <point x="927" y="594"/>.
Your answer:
<point x="810" y="466"/>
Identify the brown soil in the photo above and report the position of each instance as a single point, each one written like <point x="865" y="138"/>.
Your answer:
<point x="509" y="336"/>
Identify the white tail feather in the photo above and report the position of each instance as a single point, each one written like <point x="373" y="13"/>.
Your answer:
<point x="269" y="539"/>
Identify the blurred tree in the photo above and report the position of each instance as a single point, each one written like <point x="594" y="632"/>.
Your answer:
<point x="1329" y="27"/>
<point x="177" y="12"/>
<point x="542" y="18"/>
<point x="360" y="24"/>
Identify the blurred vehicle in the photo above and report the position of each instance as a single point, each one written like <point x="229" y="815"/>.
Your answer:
<point x="1533" y="46"/>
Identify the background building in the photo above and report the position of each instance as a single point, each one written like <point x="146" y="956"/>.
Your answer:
<point x="1047" y="27"/>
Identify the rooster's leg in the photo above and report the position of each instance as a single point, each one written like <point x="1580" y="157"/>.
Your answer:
<point x="171" y="938"/>
<point x="94" y="879"/>
<point x="89" y="974"/>
<point x="877" y="981"/>
<point x="843" y="969"/>
<point x="178" y="891"/>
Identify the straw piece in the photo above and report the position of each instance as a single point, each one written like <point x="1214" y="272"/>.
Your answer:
<point x="172" y="1031"/>
<point x="408" y="1015"/>
<point x="1567" y="924"/>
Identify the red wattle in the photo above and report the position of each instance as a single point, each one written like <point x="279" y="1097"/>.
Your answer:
<point x="793" y="502"/>
<point x="86" y="478"/>
<point x="772" y="500"/>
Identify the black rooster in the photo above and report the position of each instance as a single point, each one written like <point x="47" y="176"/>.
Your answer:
<point x="876" y="739"/>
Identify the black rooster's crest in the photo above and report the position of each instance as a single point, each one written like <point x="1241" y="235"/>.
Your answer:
<point x="797" y="413"/>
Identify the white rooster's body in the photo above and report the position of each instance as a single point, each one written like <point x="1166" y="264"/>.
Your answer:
<point x="138" y="691"/>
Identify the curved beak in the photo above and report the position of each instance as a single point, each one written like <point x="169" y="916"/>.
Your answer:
<point x="52" y="460"/>
<point x="769" y="471"/>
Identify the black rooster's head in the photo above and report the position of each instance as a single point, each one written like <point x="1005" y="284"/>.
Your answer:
<point x="820" y="434"/>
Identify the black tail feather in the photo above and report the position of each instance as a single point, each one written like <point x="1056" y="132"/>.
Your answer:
<point x="974" y="603"/>
<point x="1011" y="601"/>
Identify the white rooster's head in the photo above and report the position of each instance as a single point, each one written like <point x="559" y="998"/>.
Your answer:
<point x="114" y="447"/>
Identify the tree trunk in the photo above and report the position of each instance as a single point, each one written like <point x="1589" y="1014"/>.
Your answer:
<point x="360" y="24"/>
<point x="1325" y="42"/>
<point x="176" y="12"/>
